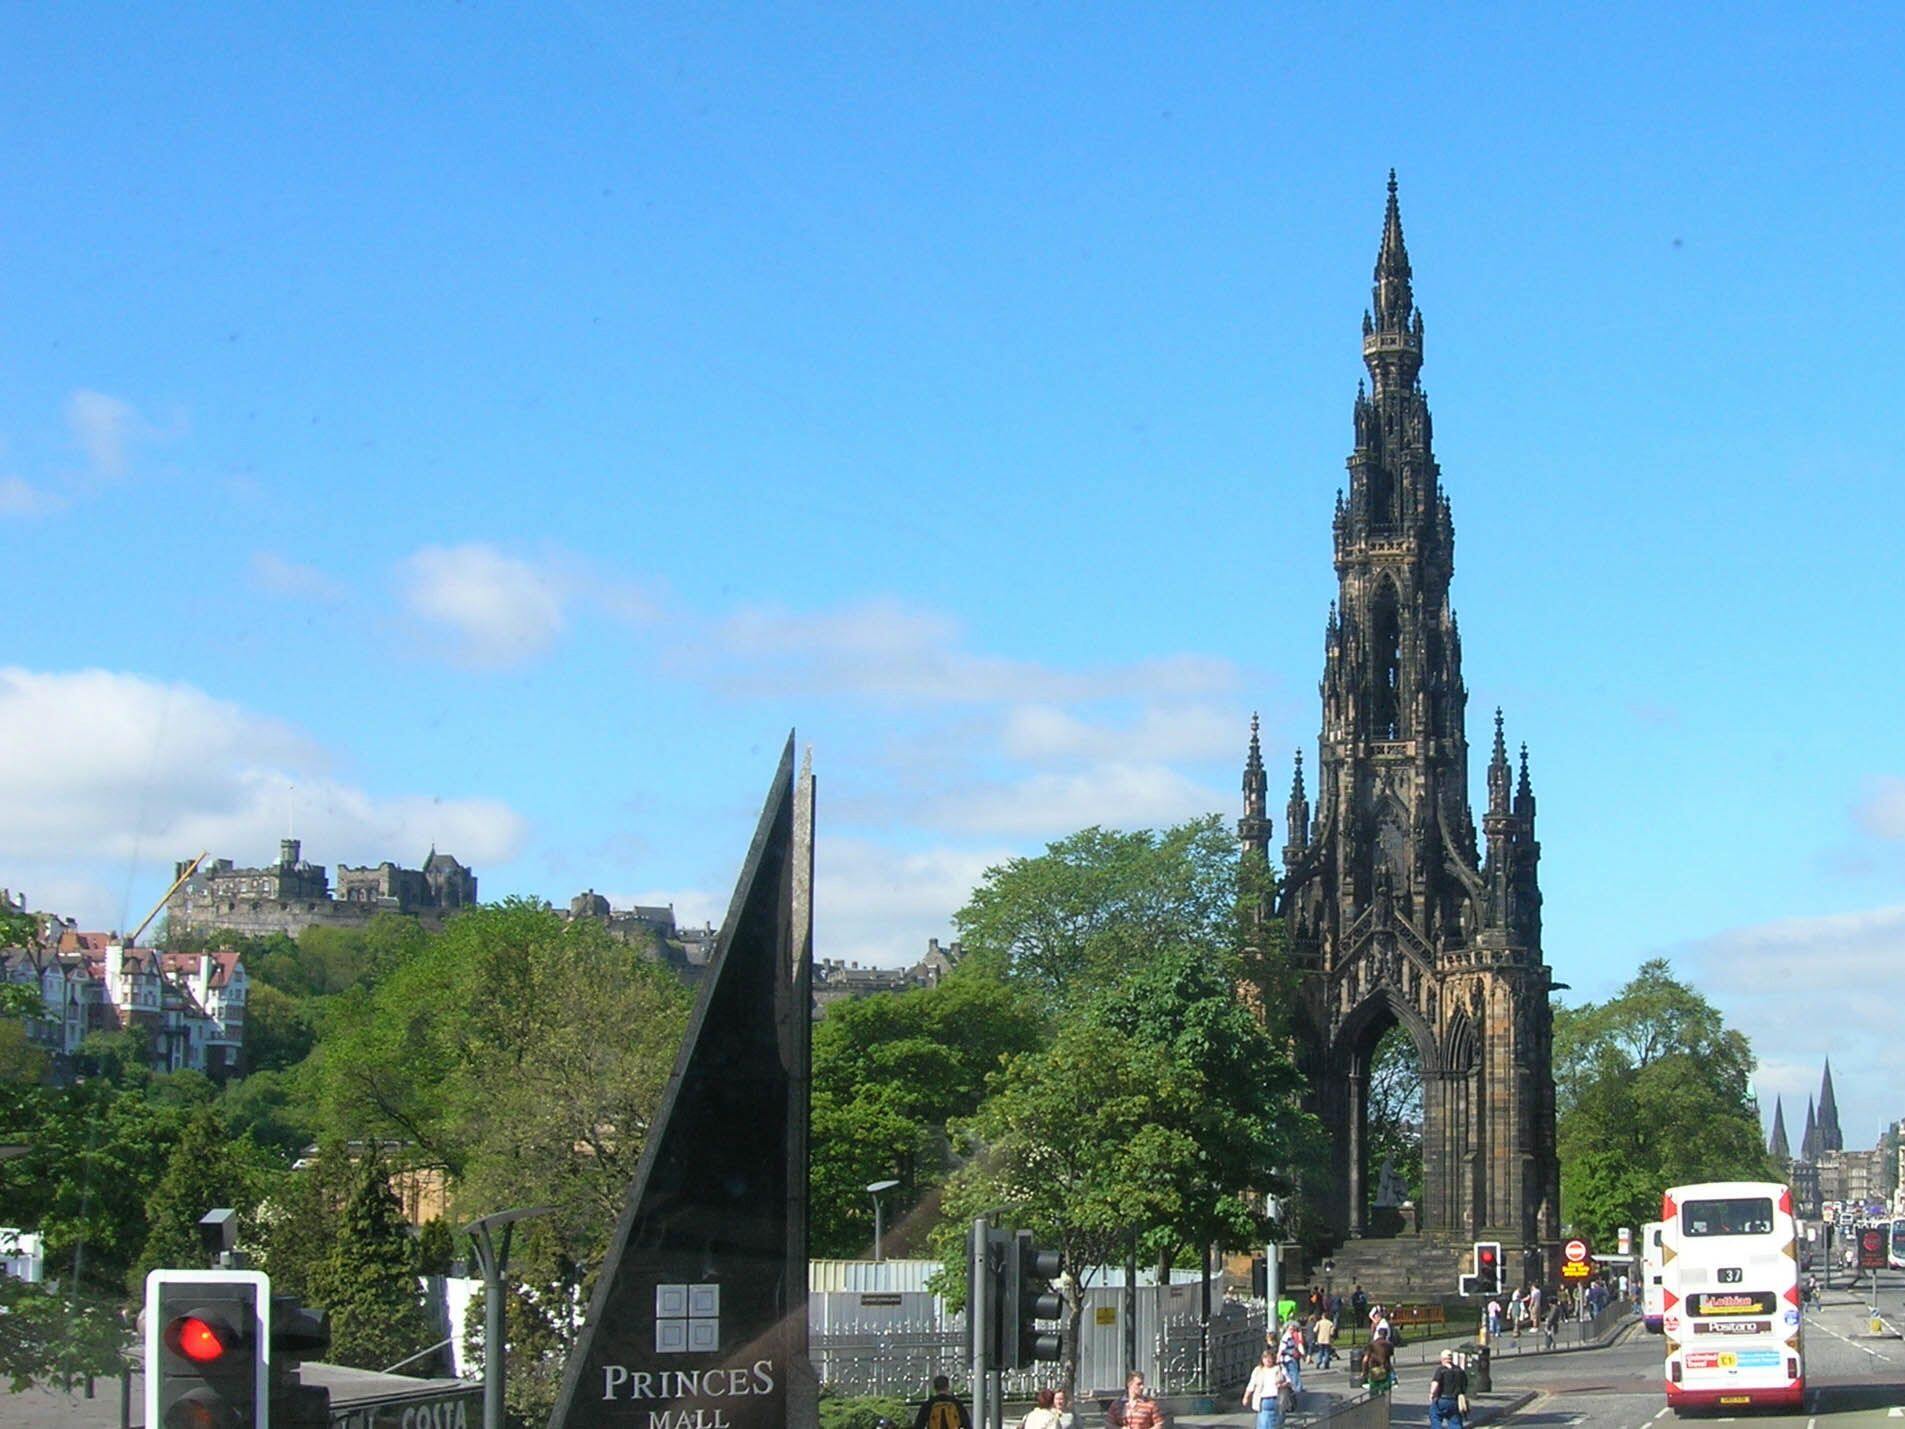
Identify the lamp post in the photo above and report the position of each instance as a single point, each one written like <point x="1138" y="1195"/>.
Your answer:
<point x="874" y="1189"/>
<point x="492" y="1257"/>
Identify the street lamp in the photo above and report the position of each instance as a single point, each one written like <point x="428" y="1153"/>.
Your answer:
<point x="874" y="1188"/>
<point x="492" y="1257"/>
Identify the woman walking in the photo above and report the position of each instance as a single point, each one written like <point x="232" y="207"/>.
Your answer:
<point x="1264" y="1392"/>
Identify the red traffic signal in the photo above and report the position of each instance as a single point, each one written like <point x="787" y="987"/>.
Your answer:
<point x="201" y="1341"/>
<point x="208" y="1349"/>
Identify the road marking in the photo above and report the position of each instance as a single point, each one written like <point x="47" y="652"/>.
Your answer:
<point x="1663" y="1409"/>
<point x="1862" y="1349"/>
<point x="1893" y="1413"/>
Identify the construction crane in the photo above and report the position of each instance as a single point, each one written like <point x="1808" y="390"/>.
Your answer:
<point x="132" y="938"/>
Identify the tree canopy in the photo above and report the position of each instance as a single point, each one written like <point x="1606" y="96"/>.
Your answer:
<point x="1651" y="1091"/>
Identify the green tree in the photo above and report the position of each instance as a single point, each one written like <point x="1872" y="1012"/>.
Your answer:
<point x="1395" y="1108"/>
<point x="1238" y="1086"/>
<point x="369" y="1282"/>
<point x="1072" y="918"/>
<point x="888" y="1073"/>
<point x="269" y="1110"/>
<point x="1081" y="1144"/>
<point x="299" y="1220"/>
<point x="1164" y="1101"/>
<point x="522" y="1054"/>
<point x="49" y="1335"/>
<point x="206" y="1170"/>
<point x="1651" y="1091"/>
<point x="20" y="1059"/>
<point x="96" y="1151"/>
<point x="280" y="1029"/>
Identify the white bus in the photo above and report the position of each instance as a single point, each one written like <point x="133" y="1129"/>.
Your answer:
<point x="1730" y="1307"/>
<point x="1653" y="1282"/>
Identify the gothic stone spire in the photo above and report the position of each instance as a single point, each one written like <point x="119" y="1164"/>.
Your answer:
<point x="1830" y="1138"/>
<point x="1253" y="829"/>
<point x="1297" y="816"/>
<point x="1777" y="1147"/>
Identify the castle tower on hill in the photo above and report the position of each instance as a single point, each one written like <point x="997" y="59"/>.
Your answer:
<point x="1397" y="914"/>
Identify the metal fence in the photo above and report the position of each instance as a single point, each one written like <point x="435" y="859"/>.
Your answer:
<point x="898" y="1348"/>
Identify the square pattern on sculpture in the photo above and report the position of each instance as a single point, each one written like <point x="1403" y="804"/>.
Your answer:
<point x="687" y="1319"/>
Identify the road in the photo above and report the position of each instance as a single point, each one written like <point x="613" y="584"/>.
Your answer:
<point x="1854" y="1379"/>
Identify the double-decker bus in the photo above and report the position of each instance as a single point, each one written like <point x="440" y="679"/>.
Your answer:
<point x="1730" y="1308"/>
<point x="1895" y="1246"/>
<point x="1653" y="1277"/>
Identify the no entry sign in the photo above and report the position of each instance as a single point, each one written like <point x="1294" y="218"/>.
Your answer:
<point x="1577" y="1260"/>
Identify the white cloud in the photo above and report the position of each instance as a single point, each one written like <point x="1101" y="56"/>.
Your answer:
<point x="103" y="767"/>
<point x="499" y="610"/>
<point x="1045" y="805"/>
<point x="887" y="651"/>
<point x="878" y="906"/>
<point x="19" y="497"/>
<point x="872" y="905"/>
<point x="1158" y="732"/>
<point x="107" y="428"/>
<point x="1805" y="988"/>
<point x="1882" y="814"/>
<point x="274" y="573"/>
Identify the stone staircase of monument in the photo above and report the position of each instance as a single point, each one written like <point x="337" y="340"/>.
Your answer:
<point x="1410" y="1269"/>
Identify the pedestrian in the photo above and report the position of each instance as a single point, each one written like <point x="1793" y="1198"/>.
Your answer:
<point x="1336" y="1307"/>
<point x="1325" y="1341"/>
<point x="943" y="1410"/>
<point x="1359" y="1305"/>
<point x="1517" y="1311"/>
<point x="1137" y="1410"/>
<point x="1043" y="1414"/>
<point x="1261" y="1394"/>
<point x="1378" y="1375"/>
<point x="1380" y="1329"/>
<point x="1448" y="1394"/>
<point x="1062" y="1407"/>
<point x="1534" y="1303"/>
<point x="1551" y="1324"/>
<point x="1493" y="1317"/>
<point x="1290" y="1355"/>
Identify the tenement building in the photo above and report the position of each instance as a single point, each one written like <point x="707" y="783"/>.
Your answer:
<point x="1399" y="911"/>
<point x="292" y="895"/>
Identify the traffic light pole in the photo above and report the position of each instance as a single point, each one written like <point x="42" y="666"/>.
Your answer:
<point x="979" y="1316"/>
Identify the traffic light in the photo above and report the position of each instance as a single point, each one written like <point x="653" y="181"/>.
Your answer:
<point x="208" y="1355"/>
<point x="1026" y="1298"/>
<point x="1488" y="1267"/>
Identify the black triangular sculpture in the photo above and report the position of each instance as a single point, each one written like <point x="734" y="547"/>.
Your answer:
<point x="699" y="1318"/>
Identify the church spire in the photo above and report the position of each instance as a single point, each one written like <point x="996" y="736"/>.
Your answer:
<point x="1498" y="771"/>
<point x="1777" y="1148"/>
<point x="1809" y="1139"/>
<point x="1392" y="300"/>
<point x="1392" y="328"/>
<point x="1297" y="816"/>
<point x="1830" y="1137"/>
<point x="1253" y="829"/>
<point x="1524" y="791"/>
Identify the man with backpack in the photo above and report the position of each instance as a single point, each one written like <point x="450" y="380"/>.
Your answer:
<point x="943" y="1410"/>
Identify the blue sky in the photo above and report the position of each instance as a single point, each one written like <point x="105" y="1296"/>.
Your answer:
<point x="497" y="425"/>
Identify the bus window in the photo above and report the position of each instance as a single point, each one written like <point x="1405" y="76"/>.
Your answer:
<point x="1750" y="1215"/>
